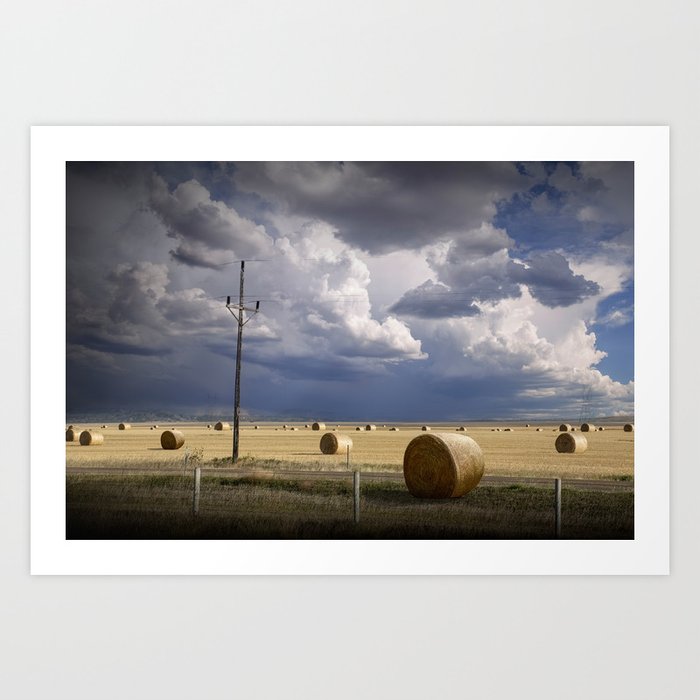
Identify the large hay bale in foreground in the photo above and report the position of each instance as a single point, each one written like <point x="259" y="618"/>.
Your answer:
<point x="87" y="437"/>
<point x="333" y="443"/>
<point x="369" y="426"/>
<point x="442" y="465"/>
<point x="628" y="428"/>
<point x="72" y="434"/>
<point x="566" y="442"/>
<point x="222" y="426"/>
<point x="125" y="426"/>
<point x="172" y="440"/>
<point x="318" y="426"/>
<point x="565" y="428"/>
<point x="587" y="428"/>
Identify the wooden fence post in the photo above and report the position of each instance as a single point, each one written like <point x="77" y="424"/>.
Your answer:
<point x="557" y="508"/>
<point x="356" y="495"/>
<point x="195" y="494"/>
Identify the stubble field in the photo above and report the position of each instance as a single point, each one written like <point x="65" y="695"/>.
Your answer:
<point x="519" y="452"/>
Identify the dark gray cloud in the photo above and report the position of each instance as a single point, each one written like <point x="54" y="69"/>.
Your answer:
<point x="551" y="280"/>
<point x="431" y="300"/>
<point x="380" y="207"/>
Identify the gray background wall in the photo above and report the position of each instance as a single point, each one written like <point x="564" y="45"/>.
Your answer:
<point x="314" y="62"/>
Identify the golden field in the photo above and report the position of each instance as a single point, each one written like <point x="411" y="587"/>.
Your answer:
<point x="520" y="452"/>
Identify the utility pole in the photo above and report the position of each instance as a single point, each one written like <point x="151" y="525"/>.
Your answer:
<point x="240" y="308"/>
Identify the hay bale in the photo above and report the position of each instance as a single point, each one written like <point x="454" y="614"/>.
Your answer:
<point x="392" y="430"/>
<point x="507" y="430"/>
<point x="318" y="426"/>
<point x="222" y="426"/>
<point x="566" y="442"/>
<point x="600" y="428"/>
<point x="103" y="425"/>
<point x="587" y="428"/>
<point x="498" y="430"/>
<point x="333" y="443"/>
<point x="358" y="428"/>
<point x="425" y="428"/>
<point x="527" y="425"/>
<point x="369" y="426"/>
<point x="442" y="465"/>
<point x="156" y="426"/>
<point x="538" y="430"/>
<point x="255" y="427"/>
<point x="628" y="428"/>
<point x="462" y="429"/>
<point x="564" y="428"/>
<point x="125" y="426"/>
<point x="87" y="437"/>
<point x="294" y="428"/>
<point x="151" y="428"/>
<point x="72" y="434"/>
<point x="307" y="425"/>
<point x="172" y="439"/>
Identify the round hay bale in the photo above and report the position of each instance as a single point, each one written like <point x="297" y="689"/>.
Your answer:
<point x="462" y="429"/>
<point x="564" y="428"/>
<point x="318" y="426"/>
<point x="222" y="426"/>
<point x="151" y="428"/>
<point x="507" y="430"/>
<point x="358" y="428"/>
<point x="255" y="427"/>
<point x="392" y="430"/>
<point x="538" y="430"/>
<point x="294" y="428"/>
<point x="333" y="443"/>
<point x="498" y="430"/>
<point x="369" y="426"/>
<point x="442" y="465"/>
<point x="103" y="426"/>
<point x="600" y="428"/>
<point x="208" y="425"/>
<point x="628" y="428"/>
<point x="87" y="437"/>
<point x="425" y="428"/>
<point x="72" y="434"/>
<point x="125" y="426"/>
<point x="69" y="427"/>
<point x="285" y="426"/>
<point x="566" y="442"/>
<point x="587" y="428"/>
<point x="527" y="425"/>
<point x="172" y="439"/>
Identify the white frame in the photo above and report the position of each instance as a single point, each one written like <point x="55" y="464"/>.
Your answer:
<point x="648" y="553"/>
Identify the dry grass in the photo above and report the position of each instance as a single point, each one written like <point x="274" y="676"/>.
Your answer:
<point x="159" y="507"/>
<point x="610" y="453"/>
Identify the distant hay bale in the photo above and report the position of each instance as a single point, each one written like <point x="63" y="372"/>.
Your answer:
<point x="333" y="443"/>
<point x="498" y="430"/>
<point x="507" y="430"/>
<point x="564" y="428"/>
<point x="628" y="428"/>
<point x="566" y="442"/>
<point x="587" y="428"/>
<point x="358" y="428"/>
<point x="461" y="429"/>
<point x="172" y="439"/>
<point x="307" y="425"/>
<point x="285" y="426"/>
<point x="87" y="437"/>
<point x="125" y="426"/>
<point x="70" y="426"/>
<point x="294" y="428"/>
<point x="369" y="426"/>
<point x="222" y="426"/>
<point x="156" y="426"/>
<point x="392" y="430"/>
<point x="442" y="465"/>
<point x="600" y="428"/>
<point x="255" y="427"/>
<point x="425" y="428"/>
<point x="72" y="434"/>
<point x="384" y="426"/>
<point x="209" y="425"/>
<point x="318" y="426"/>
<point x="538" y="430"/>
<point x="152" y="428"/>
<point x="103" y="426"/>
<point x="527" y="425"/>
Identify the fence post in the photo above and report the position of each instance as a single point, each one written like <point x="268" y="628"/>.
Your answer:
<point x="356" y="495"/>
<point x="195" y="494"/>
<point x="557" y="508"/>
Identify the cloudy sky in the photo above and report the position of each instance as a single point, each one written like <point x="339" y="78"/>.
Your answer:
<point x="396" y="291"/>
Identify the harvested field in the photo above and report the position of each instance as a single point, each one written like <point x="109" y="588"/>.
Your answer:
<point x="610" y="454"/>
